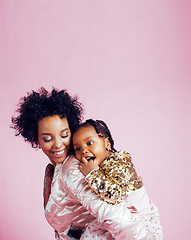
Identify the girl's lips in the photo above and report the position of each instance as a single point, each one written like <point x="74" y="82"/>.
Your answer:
<point x="90" y="158"/>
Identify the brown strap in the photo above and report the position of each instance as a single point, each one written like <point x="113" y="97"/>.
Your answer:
<point x="49" y="172"/>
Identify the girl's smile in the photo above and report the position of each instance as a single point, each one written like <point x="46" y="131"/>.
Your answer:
<point x="89" y="145"/>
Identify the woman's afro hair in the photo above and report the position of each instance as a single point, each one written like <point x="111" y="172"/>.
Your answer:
<point x="37" y="105"/>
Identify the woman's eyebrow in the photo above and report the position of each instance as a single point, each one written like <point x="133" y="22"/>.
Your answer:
<point x="65" y="129"/>
<point x="47" y="133"/>
<point x="44" y="133"/>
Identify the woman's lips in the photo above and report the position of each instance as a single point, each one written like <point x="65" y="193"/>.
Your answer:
<point x="58" y="153"/>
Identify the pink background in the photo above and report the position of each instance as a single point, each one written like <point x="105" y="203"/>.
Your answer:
<point x="129" y="63"/>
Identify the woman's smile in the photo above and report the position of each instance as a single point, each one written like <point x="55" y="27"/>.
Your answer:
<point x="58" y="153"/>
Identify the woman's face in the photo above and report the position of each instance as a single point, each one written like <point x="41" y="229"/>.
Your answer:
<point x="54" y="138"/>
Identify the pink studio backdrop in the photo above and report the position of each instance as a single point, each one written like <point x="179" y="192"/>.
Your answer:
<point x="129" y="63"/>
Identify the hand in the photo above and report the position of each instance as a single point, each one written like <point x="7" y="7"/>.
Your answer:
<point x="86" y="167"/>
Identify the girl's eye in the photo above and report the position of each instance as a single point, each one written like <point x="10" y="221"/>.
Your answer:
<point x="89" y="143"/>
<point x="77" y="149"/>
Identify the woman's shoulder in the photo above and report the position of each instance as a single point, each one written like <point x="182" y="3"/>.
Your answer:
<point x="69" y="171"/>
<point x="62" y="170"/>
<point x="70" y="164"/>
<point x="70" y="175"/>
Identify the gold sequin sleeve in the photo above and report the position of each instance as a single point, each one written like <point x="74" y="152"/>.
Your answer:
<point x="115" y="177"/>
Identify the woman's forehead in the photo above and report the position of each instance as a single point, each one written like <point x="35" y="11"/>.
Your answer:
<point x="52" y="123"/>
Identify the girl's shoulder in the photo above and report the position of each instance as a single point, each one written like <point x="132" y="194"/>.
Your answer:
<point x="117" y="158"/>
<point x="121" y="155"/>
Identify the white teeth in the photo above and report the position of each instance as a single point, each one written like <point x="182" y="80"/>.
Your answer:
<point x="58" y="153"/>
<point x="89" y="158"/>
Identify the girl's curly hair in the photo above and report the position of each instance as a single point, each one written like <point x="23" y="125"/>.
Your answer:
<point x="37" y="105"/>
<point x="101" y="128"/>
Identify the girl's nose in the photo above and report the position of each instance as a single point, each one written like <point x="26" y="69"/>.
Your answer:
<point x="84" y="151"/>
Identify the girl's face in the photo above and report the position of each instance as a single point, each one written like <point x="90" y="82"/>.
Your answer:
<point x="88" y="145"/>
<point x="54" y="138"/>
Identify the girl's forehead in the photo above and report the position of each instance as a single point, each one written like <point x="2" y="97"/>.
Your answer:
<point x="85" y="131"/>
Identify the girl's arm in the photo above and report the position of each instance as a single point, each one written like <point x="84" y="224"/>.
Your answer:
<point x="106" y="188"/>
<point x="115" y="177"/>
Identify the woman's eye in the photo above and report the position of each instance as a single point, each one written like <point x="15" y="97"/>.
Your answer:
<point x="65" y="136"/>
<point x="47" y="140"/>
<point x="89" y="143"/>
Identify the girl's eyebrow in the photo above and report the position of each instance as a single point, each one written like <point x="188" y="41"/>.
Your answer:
<point x="89" y="137"/>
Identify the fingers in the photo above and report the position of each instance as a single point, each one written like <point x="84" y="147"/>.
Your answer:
<point x="84" y="160"/>
<point x="81" y="166"/>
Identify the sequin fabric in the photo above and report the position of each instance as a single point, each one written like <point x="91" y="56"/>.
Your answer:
<point x="115" y="177"/>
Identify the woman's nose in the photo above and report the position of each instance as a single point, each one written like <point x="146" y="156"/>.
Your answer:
<point x="58" y="143"/>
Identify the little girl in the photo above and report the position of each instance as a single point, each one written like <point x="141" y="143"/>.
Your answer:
<point x="112" y="176"/>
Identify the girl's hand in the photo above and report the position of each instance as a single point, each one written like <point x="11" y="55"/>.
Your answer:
<point x="86" y="167"/>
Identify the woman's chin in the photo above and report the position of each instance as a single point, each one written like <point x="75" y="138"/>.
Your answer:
<point x="56" y="160"/>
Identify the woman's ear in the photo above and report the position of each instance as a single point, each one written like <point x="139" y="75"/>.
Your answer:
<point x="38" y="144"/>
<point x="107" y="144"/>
